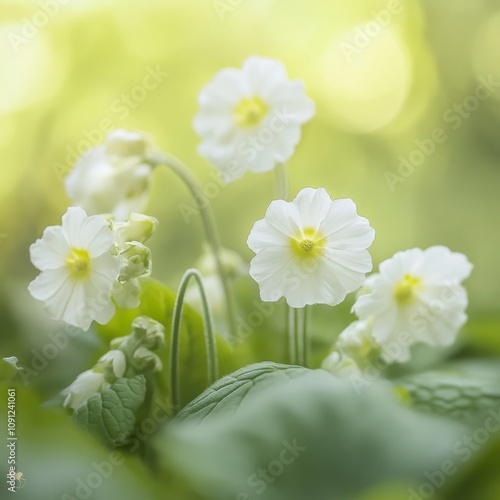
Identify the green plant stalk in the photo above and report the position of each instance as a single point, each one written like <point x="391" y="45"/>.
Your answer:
<point x="211" y="233"/>
<point x="211" y="348"/>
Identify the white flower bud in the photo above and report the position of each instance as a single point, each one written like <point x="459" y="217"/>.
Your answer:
<point x="126" y="294"/>
<point x="341" y="366"/>
<point x="147" y="360"/>
<point x="85" y="385"/>
<point x="136" y="261"/>
<point x="137" y="227"/>
<point x="113" y="177"/>
<point x="117" y="360"/>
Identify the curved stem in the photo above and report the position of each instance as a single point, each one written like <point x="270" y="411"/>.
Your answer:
<point x="209" y="225"/>
<point x="212" y="364"/>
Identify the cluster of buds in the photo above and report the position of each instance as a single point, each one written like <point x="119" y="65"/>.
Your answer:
<point x="129" y="356"/>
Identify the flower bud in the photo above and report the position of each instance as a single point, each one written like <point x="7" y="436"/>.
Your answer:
<point x="137" y="227"/>
<point x="85" y="385"/>
<point x="113" y="177"/>
<point x="341" y="366"/>
<point x="150" y="332"/>
<point x="136" y="260"/>
<point x="146" y="360"/>
<point x="116" y="360"/>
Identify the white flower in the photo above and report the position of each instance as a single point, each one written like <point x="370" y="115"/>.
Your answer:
<point x="113" y="177"/>
<point x="416" y="297"/>
<point x="311" y="251"/>
<point x="341" y="366"/>
<point x="77" y="269"/>
<point x="86" y="385"/>
<point x="250" y="118"/>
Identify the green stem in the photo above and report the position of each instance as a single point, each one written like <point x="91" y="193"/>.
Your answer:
<point x="282" y="182"/>
<point x="297" y="331"/>
<point x="283" y="193"/>
<point x="291" y="335"/>
<point x="305" y="337"/>
<point x="211" y="348"/>
<point x="209" y="225"/>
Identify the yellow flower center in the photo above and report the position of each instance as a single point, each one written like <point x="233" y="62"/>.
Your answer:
<point x="308" y="243"/>
<point x="250" y="111"/>
<point x="78" y="262"/>
<point x="404" y="290"/>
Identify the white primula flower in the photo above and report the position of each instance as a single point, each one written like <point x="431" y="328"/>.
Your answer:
<point x="77" y="268"/>
<point x="85" y="385"/>
<point x="311" y="251"/>
<point x="416" y="297"/>
<point x="113" y="177"/>
<point x="250" y="118"/>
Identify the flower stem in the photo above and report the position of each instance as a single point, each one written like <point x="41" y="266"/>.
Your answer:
<point x="210" y="227"/>
<point x="291" y="335"/>
<point x="282" y="182"/>
<point x="305" y="337"/>
<point x="283" y="193"/>
<point x="211" y="348"/>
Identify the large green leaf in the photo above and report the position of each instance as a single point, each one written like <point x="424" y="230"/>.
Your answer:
<point x="463" y="390"/>
<point x="157" y="302"/>
<point x="230" y="393"/>
<point x="309" y="436"/>
<point x="113" y="413"/>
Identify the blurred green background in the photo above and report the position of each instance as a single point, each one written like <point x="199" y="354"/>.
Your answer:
<point x="69" y="70"/>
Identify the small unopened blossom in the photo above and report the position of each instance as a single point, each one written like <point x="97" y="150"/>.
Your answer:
<point x="251" y="118"/>
<point x="340" y="365"/>
<point x="137" y="227"/>
<point x="313" y="250"/>
<point x="87" y="384"/>
<point x="116" y="360"/>
<point x="416" y="297"/>
<point x="114" y="177"/>
<point x="357" y="340"/>
<point x="78" y="268"/>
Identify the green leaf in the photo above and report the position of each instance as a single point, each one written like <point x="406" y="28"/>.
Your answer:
<point x="308" y="436"/>
<point x="231" y="392"/>
<point x="157" y="302"/>
<point x="112" y="413"/>
<point x="460" y="390"/>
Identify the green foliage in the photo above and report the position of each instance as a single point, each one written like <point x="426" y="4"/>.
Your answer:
<point x="157" y="302"/>
<point x="311" y="434"/>
<point x="113" y="413"/>
<point x="460" y="390"/>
